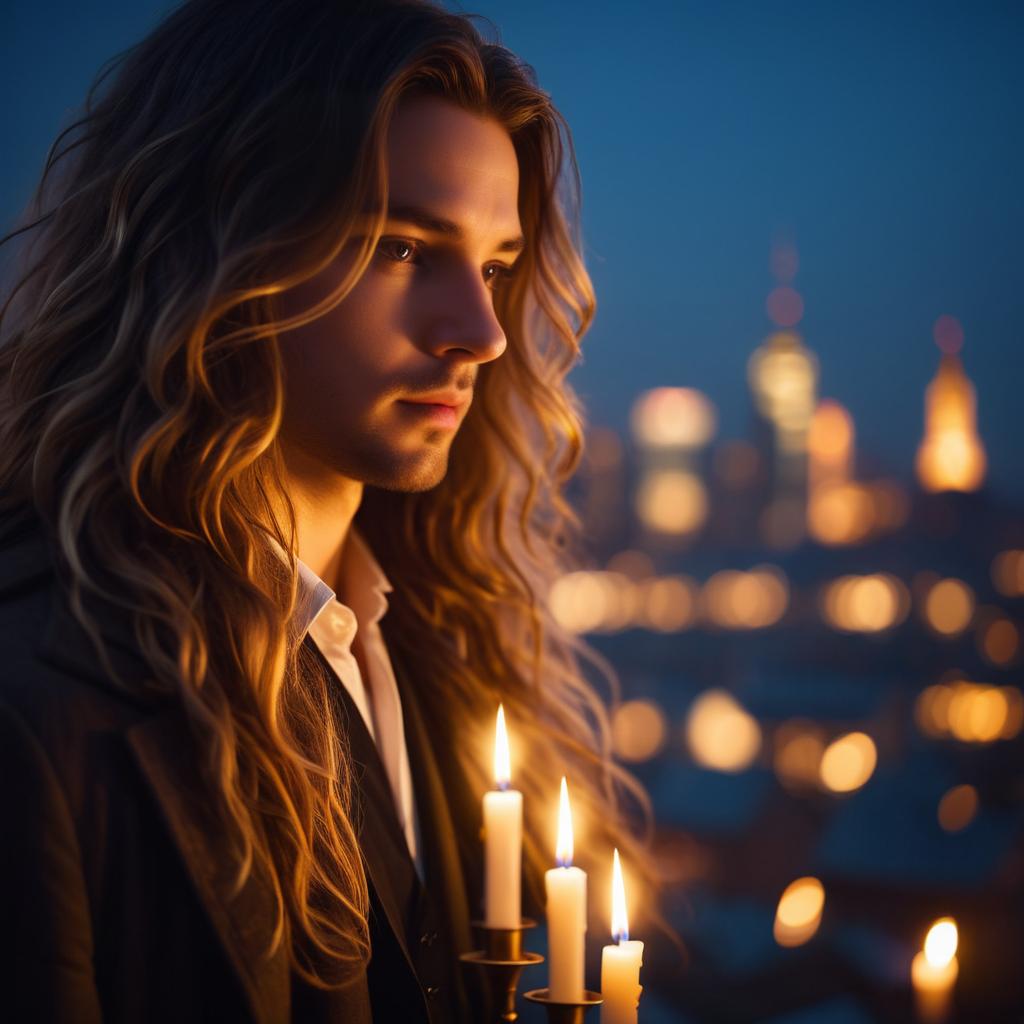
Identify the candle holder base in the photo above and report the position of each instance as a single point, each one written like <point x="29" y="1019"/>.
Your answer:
<point x="503" y="960"/>
<point x="564" y="1013"/>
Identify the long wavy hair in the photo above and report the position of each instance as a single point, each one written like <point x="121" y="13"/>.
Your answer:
<point x="221" y="161"/>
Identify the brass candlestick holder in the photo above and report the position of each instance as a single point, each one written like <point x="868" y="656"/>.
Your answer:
<point x="503" y="960"/>
<point x="565" y="1013"/>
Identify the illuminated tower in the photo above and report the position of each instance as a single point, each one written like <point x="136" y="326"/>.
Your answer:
<point x="951" y="456"/>
<point x="783" y="378"/>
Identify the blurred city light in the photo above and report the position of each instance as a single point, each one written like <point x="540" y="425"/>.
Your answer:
<point x="951" y="456"/>
<point x="672" y="501"/>
<point x="638" y="730"/>
<point x="848" y="762"/>
<point x="998" y="640"/>
<point x="970" y="712"/>
<point x="668" y="604"/>
<point x="865" y="604"/>
<point x="799" y="745"/>
<point x="720" y="734"/>
<point x="957" y="808"/>
<point x="799" y="912"/>
<point x="732" y="599"/>
<point x="949" y="606"/>
<point x="783" y="377"/>
<point x="1008" y="573"/>
<point x="673" y="418"/>
<point x="840" y="513"/>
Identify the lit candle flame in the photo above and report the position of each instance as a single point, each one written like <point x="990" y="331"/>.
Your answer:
<point x="620" y="922"/>
<point x="563" y="851"/>
<point x="502" y="761"/>
<point x="941" y="942"/>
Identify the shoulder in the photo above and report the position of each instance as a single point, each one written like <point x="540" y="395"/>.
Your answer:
<point x="53" y="690"/>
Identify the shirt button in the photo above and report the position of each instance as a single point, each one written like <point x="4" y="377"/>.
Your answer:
<point x="428" y="938"/>
<point x="432" y="990"/>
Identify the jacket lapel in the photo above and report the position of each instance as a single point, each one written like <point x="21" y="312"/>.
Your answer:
<point x="372" y="794"/>
<point x="244" y="923"/>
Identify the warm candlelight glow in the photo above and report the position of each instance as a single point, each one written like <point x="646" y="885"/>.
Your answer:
<point x="941" y="942"/>
<point x="563" y="850"/>
<point x="502" y="761"/>
<point x="620" y="922"/>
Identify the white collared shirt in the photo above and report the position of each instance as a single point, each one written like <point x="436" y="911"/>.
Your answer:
<point x="339" y="630"/>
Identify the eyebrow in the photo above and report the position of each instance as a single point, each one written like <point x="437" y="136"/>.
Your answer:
<point x="439" y="225"/>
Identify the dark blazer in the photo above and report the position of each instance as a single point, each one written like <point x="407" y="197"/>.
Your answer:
<point x="116" y="877"/>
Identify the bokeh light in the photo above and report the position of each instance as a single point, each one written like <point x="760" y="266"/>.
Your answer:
<point x="957" y="808"/>
<point x="585" y="602"/>
<point x="840" y="513"/>
<point x="673" y="418"/>
<point x="999" y="641"/>
<point x="798" y="747"/>
<point x="720" y="734"/>
<point x="799" y="912"/>
<point x="949" y="607"/>
<point x="672" y="501"/>
<point x="1008" y="573"/>
<point x="732" y="599"/>
<point x="970" y="712"/>
<point x="848" y="762"/>
<point x="865" y="604"/>
<point x="638" y="730"/>
<point x="669" y="603"/>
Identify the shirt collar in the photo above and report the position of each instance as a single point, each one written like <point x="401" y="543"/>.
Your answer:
<point x="362" y="579"/>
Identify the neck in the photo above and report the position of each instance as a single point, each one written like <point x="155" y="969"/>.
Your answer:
<point x="325" y="504"/>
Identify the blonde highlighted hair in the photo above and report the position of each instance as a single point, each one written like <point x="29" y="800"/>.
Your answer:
<point x="219" y="162"/>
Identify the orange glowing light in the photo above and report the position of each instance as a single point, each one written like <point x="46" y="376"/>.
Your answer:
<point x="957" y="808"/>
<point x="848" y="762"/>
<point x="949" y="606"/>
<point x="502" y="758"/>
<point x="941" y="942"/>
<point x="720" y="734"/>
<point x="638" y="730"/>
<point x="620" y="918"/>
<point x="564" y="846"/>
<point x="951" y="456"/>
<point x="673" y="418"/>
<point x="799" y="912"/>
<point x="672" y="501"/>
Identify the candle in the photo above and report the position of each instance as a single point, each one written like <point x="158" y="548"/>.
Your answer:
<point x="566" y="888"/>
<point x="933" y="972"/>
<point x="620" y="963"/>
<point x="503" y="839"/>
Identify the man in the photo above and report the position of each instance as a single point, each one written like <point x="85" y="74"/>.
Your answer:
<point x="285" y="429"/>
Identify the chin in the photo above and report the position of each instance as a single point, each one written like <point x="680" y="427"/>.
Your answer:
<point x="410" y="475"/>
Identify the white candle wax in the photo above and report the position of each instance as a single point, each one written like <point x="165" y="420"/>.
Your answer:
<point x="566" y="889"/>
<point x="503" y="849"/>
<point x="620" y="982"/>
<point x="503" y="839"/>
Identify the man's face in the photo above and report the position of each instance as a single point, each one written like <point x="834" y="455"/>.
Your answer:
<point x="369" y="387"/>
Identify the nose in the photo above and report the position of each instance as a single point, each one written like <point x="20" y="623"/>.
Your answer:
<point x="462" y="322"/>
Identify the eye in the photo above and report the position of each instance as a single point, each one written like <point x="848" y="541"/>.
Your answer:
<point x="398" y="250"/>
<point x="496" y="274"/>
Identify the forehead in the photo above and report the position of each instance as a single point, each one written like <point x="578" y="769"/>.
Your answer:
<point x="458" y="165"/>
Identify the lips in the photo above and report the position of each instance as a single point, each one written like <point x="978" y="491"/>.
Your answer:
<point x="451" y="399"/>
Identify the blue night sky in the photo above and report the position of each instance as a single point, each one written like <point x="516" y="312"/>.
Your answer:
<point x="885" y="139"/>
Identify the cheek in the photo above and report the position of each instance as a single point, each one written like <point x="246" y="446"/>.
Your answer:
<point x="341" y="363"/>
